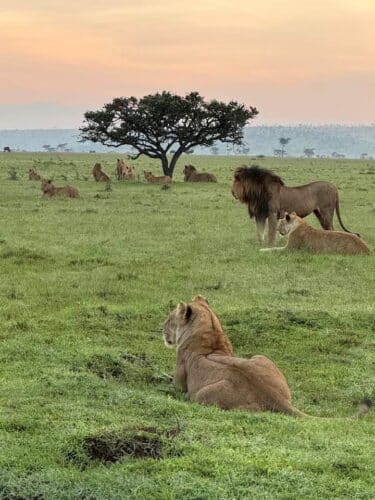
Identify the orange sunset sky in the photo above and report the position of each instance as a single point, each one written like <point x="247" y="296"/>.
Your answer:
<point x="297" y="61"/>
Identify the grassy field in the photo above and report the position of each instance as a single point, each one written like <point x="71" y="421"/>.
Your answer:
<point x="85" y="286"/>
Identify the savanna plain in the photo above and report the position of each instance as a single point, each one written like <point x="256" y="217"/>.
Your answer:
<point x="87" y="408"/>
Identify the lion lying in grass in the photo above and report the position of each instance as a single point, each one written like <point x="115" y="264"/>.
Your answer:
<point x="152" y="179"/>
<point x="33" y="175"/>
<point x="209" y="373"/>
<point x="50" y="190"/>
<point x="191" y="175"/>
<point x="302" y="236"/>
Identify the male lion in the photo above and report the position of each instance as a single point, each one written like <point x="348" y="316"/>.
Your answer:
<point x="209" y="373"/>
<point x="191" y="175"/>
<point x="267" y="197"/>
<point x="99" y="175"/>
<point x="33" y="175"/>
<point x="124" y="172"/>
<point x="50" y="190"/>
<point x="152" y="179"/>
<point x="302" y="236"/>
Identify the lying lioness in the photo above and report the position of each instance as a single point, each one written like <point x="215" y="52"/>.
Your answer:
<point x="152" y="179"/>
<point x="209" y="373"/>
<point x="302" y="236"/>
<point x="191" y="175"/>
<point x="50" y="190"/>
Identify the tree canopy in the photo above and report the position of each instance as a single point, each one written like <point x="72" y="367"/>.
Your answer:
<point x="155" y="125"/>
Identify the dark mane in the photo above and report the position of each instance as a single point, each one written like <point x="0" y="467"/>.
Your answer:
<point x="258" y="175"/>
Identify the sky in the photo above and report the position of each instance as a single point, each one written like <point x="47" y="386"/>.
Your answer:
<point x="297" y="61"/>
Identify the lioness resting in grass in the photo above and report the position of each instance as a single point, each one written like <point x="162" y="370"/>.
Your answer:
<point x="302" y="236"/>
<point x="50" y="190"/>
<point x="152" y="179"/>
<point x="33" y="175"/>
<point x="209" y="373"/>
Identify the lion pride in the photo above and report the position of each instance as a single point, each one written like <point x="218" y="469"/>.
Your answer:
<point x="50" y="190"/>
<point x="267" y="198"/>
<point x="209" y="373"/>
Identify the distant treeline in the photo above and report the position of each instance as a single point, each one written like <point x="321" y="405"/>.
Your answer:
<point x="326" y="140"/>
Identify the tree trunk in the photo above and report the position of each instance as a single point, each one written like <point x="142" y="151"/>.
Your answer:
<point x="165" y="165"/>
<point x="168" y="168"/>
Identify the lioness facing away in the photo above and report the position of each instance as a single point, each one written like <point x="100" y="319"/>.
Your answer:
<point x="209" y="373"/>
<point x="50" y="190"/>
<point x="302" y="236"/>
<point x="191" y="175"/>
<point x="152" y="179"/>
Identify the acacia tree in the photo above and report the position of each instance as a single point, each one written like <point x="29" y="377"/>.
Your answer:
<point x="155" y="125"/>
<point x="283" y="142"/>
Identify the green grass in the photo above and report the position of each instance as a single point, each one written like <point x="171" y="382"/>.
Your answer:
<point x="85" y="285"/>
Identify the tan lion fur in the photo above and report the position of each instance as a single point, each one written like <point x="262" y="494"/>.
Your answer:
<point x="152" y="179"/>
<point x="33" y="175"/>
<point x="124" y="172"/>
<point x="98" y="174"/>
<point x="209" y="373"/>
<point x="50" y="190"/>
<point x="191" y="175"/>
<point x="267" y="199"/>
<point x="302" y="236"/>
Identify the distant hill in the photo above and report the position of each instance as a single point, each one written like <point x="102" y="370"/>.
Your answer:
<point x="351" y="141"/>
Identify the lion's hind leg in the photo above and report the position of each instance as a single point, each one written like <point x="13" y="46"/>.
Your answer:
<point x="221" y="394"/>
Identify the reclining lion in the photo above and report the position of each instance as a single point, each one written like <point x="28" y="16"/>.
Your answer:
<point x="50" y="190"/>
<point x="153" y="179"/>
<point x="209" y="373"/>
<point x="302" y="236"/>
<point x="191" y="175"/>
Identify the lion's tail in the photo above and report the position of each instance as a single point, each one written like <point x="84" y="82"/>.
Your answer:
<point x="339" y="217"/>
<point x="364" y="407"/>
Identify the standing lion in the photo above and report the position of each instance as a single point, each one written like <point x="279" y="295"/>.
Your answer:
<point x="267" y="198"/>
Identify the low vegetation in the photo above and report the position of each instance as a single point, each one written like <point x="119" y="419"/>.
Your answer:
<point x="88" y="410"/>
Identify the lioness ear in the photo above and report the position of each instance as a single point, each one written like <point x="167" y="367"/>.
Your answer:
<point x="184" y="311"/>
<point x="287" y="217"/>
<point x="200" y="298"/>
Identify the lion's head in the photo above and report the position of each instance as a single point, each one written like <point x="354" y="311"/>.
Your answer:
<point x="289" y="223"/>
<point x="195" y="322"/>
<point x="189" y="169"/>
<point x="47" y="186"/>
<point x="253" y="186"/>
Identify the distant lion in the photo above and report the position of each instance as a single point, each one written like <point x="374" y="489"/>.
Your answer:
<point x="267" y="198"/>
<point x="191" y="175"/>
<point x="99" y="175"/>
<point x="302" y="236"/>
<point x="33" y="175"/>
<point x="209" y="373"/>
<point x="124" y="172"/>
<point x="152" y="179"/>
<point x="50" y="190"/>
